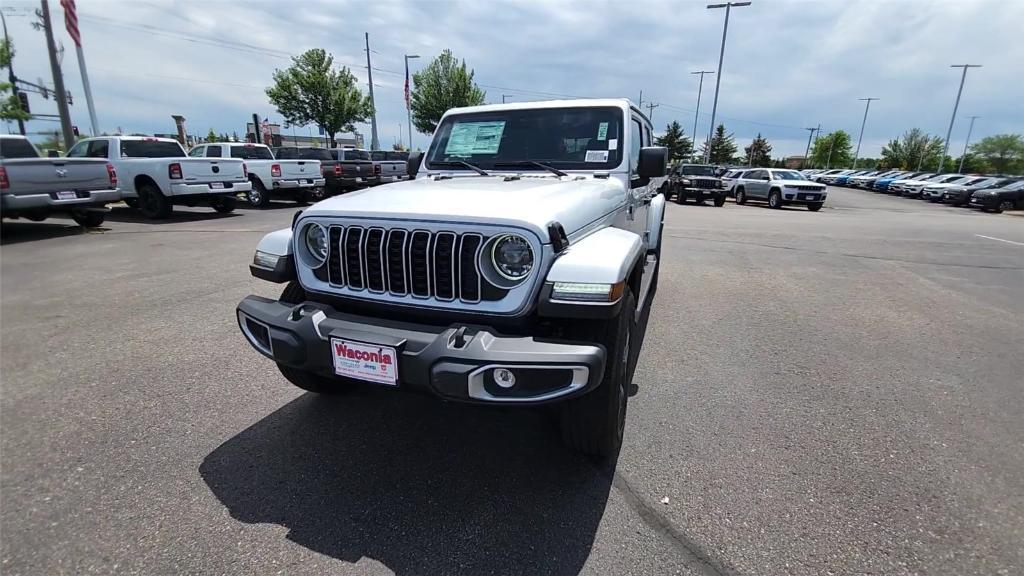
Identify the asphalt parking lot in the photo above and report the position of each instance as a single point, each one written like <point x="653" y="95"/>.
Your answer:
<point x="818" y="393"/>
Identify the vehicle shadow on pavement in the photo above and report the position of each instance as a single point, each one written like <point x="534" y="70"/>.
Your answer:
<point x="180" y="214"/>
<point x="16" y="232"/>
<point x="420" y="486"/>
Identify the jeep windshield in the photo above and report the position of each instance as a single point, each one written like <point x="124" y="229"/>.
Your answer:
<point x="697" y="170"/>
<point x="565" y="138"/>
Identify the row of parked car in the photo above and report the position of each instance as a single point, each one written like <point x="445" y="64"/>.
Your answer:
<point x="990" y="193"/>
<point x="153" y="175"/>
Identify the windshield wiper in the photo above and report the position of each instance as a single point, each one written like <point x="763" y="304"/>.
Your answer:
<point x="523" y="163"/>
<point x="472" y="167"/>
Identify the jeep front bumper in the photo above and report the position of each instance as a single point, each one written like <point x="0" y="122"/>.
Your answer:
<point x="456" y="362"/>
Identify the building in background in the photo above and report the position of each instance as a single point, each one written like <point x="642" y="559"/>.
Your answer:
<point x="292" y="138"/>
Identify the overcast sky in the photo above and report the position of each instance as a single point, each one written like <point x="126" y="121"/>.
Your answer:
<point x="789" y="64"/>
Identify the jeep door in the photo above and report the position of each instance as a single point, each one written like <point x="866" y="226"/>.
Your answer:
<point x="640" y="195"/>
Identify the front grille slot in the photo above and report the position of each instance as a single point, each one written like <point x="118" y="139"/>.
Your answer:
<point x="442" y="265"/>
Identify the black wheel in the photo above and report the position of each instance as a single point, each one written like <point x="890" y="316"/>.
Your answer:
<point x="815" y="206"/>
<point x="293" y="294"/>
<point x="153" y="204"/>
<point x="1004" y="205"/>
<point x="774" y="199"/>
<point x="224" y="204"/>
<point x="593" y="423"/>
<point x="315" y="194"/>
<point x="89" y="218"/>
<point x="132" y="202"/>
<point x="258" y="196"/>
<point x="741" y="196"/>
<point x="720" y="200"/>
<point x="680" y="196"/>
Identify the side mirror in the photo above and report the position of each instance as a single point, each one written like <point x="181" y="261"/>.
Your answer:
<point x="412" y="165"/>
<point x="653" y="162"/>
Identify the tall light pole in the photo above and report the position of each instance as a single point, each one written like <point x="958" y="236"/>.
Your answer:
<point x="949" y="132"/>
<point x="810" y="134"/>
<point x="966" y="143"/>
<point x="700" y="88"/>
<point x="867" y="106"/>
<point x="408" y="105"/>
<point x="374" y="143"/>
<point x="718" y="77"/>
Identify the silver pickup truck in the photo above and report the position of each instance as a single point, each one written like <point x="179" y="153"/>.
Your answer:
<point x="512" y="271"/>
<point x="388" y="165"/>
<point x="34" y="188"/>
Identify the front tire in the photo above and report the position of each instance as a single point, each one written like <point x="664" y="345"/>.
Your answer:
<point x="594" y="423"/>
<point x="257" y="197"/>
<point x="741" y="196"/>
<point x="680" y="196"/>
<point x="294" y="294"/>
<point x="720" y="200"/>
<point x="775" y="199"/>
<point x="89" y="219"/>
<point x="815" y="207"/>
<point x="153" y="204"/>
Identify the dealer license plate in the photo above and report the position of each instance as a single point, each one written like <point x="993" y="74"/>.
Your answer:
<point x="378" y="364"/>
<point x="217" y="185"/>
<point x="359" y="179"/>
<point x="66" y="195"/>
<point x="812" y="197"/>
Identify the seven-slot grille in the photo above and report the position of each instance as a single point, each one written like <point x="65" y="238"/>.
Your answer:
<point x="441" y="265"/>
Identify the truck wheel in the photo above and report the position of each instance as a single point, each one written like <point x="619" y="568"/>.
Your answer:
<point x="153" y="204"/>
<point x="720" y="200"/>
<point x="593" y="423"/>
<point x="774" y="199"/>
<point x="257" y="197"/>
<point x="1004" y="205"/>
<point x="224" y="204"/>
<point x="89" y="218"/>
<point x="741" y="196"/>
<point x="315" y="195"/>
<point x="815" y="206"/>
<point x="293" y="294"/>
<point x="680" y="196"/>
<point x="132" y="202"/>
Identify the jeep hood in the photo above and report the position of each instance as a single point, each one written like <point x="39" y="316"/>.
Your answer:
<point x="531" y="201"/>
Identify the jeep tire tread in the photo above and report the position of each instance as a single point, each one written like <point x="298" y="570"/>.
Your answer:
<point x="593" y="423"/>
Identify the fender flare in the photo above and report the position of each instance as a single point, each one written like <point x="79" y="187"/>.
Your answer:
<point x="278" y="242"/>
<point x="655" y="221"/>
<point x="605" y="257"/>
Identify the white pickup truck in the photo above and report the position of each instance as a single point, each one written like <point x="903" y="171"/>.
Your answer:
<point x="300" y="180"/>
<point x="155" y="174"/>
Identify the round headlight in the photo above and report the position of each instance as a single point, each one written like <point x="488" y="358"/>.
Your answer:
<point x="316" y="242"/>
<point x="512" y="257"/>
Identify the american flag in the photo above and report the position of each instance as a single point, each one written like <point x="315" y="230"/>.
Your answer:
<point x="407" y="85"/>
<point x="71" y="21"/>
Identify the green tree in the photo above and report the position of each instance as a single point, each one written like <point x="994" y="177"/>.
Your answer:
<point x="444" y="84"/>
<point x="832" y="149"/>
<point x="759" y="153"/>
<point x="722" y="147"/>
<point x="679" y="146"/>
<point x="312" y="91"/>
<point x="1003" y="152"/>
<point x="234" y="136"/>
<point x="914" y="148"/>
<point x="10" y="107"/>
<point x="211" y="136"/>
<point x="972" y="164"/>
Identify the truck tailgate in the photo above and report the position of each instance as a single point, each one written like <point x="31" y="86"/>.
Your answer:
<point x="299" y="169"/>
<point x="197" y="170"/>
<point x="45" y="175"/>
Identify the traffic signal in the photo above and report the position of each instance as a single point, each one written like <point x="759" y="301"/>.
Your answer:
<point x="23" y="98"/>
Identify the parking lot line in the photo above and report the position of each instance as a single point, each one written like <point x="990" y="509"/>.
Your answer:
<point x="1000" y="239"/>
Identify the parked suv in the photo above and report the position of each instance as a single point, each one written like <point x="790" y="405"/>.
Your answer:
<point x="697" y="181"/>
<point x="779" y="188"/>
<point x="511" y="271"/>
<point x="1009" y="197"/>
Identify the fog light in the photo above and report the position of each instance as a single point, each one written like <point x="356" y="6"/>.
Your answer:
<point x="587" y="292"/>
<point x="265" y="260"/>
<point x="504" y="377"/>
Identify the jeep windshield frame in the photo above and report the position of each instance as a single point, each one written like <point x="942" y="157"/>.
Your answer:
<point x="513" y="139"/>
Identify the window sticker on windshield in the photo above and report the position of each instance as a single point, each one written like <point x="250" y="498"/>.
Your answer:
<point x="468" y="138"/>
<point x="602" y="131"/>
<point x="596" y="156"/>
<point x="613" y="144"/>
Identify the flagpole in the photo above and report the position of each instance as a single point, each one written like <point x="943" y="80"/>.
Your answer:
<point x="88" y="92"/>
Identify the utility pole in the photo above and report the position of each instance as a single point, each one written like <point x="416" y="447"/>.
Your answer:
<point x="700" y="88"/>
<point x="408" y="102"/>
<point x="718" y="77"/>
<point x="867" y="106"/>
<point x="640" y="104"/>
<point x="808" y="151"/>
<point x="11" y="77"/>
<point x="651" y="107"/>
<point x="58" y="79"/>
<point x="966" y="143"/>
<point x="831" y="143"/>
<point x="945" y="149"/>
<point x="504" y="98"/>
<point x="374" y="144"/>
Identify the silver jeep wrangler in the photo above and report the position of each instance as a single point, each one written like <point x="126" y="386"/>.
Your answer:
<point x="511" y="270"/>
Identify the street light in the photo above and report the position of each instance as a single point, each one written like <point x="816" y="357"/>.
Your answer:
<point x="408" y="108"/>
<point x="700" y="88"/>
<point x="966" y="142"/>
<point x="867" y="106"/>
<point x="718" y="78"/>
<point x="949" y="132"/>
